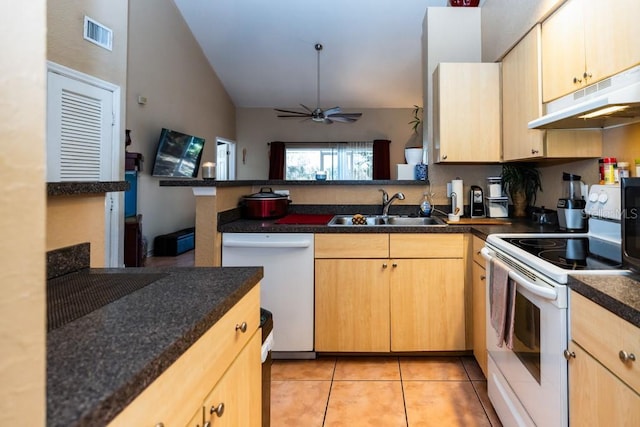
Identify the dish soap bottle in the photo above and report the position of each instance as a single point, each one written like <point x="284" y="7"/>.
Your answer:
<point x="425" y="205"/>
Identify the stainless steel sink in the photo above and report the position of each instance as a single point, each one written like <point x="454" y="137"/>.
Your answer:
<point x="391" y="220"/>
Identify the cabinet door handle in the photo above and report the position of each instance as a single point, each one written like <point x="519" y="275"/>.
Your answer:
<point x="568" y="354"/>
<point x="384" y="265"/>
<point x="444" y="157"/>
<point x="587" y="75"/>
<point x="534" y="151"/>
<point x="218" y="410"/>
<point x="577" y="80"/>
<point x="483" y="277"/>
<point x="394" y="265"/>
<point x="243" y="328"/>
<point x="626" y="357"/>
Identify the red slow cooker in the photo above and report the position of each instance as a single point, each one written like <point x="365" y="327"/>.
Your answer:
<point x="265" y="204"/>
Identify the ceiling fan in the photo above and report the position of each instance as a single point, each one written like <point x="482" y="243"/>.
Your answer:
<point x="318" y="114"/>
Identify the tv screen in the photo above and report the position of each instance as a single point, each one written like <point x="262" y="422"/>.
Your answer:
<point x="178" y="155"/>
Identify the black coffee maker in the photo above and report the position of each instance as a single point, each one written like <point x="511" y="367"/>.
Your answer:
<point x="476" y="202"/>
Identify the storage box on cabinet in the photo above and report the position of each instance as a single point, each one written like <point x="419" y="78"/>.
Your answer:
<point x="175" y="396"/>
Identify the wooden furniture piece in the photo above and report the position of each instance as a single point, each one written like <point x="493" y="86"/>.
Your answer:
<point x="217" y="378"/>
<point x="580" y="47"/>
<point x="604" y="370"/>
<point x="389" y="292"/>
<point x="134" y="252"/>
<point x="479" y="304"/>
<point x="521" y="91"/>
<point x="466" y="112"/>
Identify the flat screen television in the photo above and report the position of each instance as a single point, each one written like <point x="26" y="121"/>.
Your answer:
<point x="178" y="155"/>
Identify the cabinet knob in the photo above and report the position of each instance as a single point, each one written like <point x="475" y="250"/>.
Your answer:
<point x="159" y="424"/>
<point x="626" y="357"/>
<point x="444" y="157"/>
<point x="218" y="410"/>
<point x="483" y="277"/>
<point x="242" y="327"/>
<point x="577" y="80"/>
<point x="534" y="151"/>
<point x="394" y="265"/>
<point x="384" y="265"/>
<point x="568" y="354"/>
<point x="587" y="75"/>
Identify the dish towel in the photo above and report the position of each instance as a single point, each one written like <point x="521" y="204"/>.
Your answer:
<point x="501" y="302"/>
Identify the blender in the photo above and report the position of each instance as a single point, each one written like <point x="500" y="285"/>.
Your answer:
<point x="571" y="216"/>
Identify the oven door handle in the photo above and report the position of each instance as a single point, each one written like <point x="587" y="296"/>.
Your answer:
<point x="549" y="294"/>
<point x="545" y="293"/>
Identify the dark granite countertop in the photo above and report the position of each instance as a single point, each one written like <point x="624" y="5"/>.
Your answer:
<point x="80" y="187"/>
<point x="99" y="363"/>
<point x="620" y="294"/>
<point x="187" y="182"/>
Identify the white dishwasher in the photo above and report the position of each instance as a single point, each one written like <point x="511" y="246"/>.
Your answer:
<point x="287" y="287"/>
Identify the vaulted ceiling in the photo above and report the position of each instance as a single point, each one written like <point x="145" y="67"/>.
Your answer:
<point x="263" y="51"/>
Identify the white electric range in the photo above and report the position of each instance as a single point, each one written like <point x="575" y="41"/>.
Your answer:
<point x="528" y="383"/>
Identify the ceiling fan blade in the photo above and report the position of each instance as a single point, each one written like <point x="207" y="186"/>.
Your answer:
<point x="350" y="115"/>
<point x="307" y="108"/>
<point x="330" y="111"/>
<point x="297" y="116"/>
<point x="327" y="121"/>
<point x="343" y="119"/>
<point x="290" y="111"/>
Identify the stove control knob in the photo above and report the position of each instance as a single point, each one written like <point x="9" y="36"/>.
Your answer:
<point x="602" y="198"/>
<point x="593" y="197"/>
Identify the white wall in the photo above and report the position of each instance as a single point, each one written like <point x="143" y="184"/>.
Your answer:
<point x="504" y="22"/>
<point x="22" y="214"/>
<point x="183" y="93"/>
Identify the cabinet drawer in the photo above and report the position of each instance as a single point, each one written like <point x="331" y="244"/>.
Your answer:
<point x="188" y="380"/>
<point x="352" y="245"/>
<point x="604" y="335"/>
<point x="443" y="245"/>
<point x="478" y="244"/>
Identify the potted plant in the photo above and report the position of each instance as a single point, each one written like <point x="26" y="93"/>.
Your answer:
<point x="413" y="151"/>
<point x="521" y="181"/>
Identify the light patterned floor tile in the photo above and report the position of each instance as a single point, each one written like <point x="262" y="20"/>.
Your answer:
<point x="432" y="368"/>
<point x="298" y="403"/>
<point x="367" y="368"/>
<point x="319" y="369"/>
<point x="443" y="403"/>
<point x="365" y="403"/>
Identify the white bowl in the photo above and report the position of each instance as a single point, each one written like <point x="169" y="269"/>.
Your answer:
<point x="454" y="218"/>
<point x="413" y="155"/>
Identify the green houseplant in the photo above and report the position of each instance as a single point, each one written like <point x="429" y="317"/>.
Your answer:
<point x="522" y="182"/>
<point x="417" y="118"/>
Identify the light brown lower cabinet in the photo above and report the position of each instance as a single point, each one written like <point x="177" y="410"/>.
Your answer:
<point x="223" y="366"/>
<point x="604" y="370"/>
<point x="389" y="292"/>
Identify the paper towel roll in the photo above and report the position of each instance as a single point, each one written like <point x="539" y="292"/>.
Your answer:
<point x="457" y="188"/>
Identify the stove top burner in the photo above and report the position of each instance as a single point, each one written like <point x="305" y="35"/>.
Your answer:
<point x="571" y="253"/>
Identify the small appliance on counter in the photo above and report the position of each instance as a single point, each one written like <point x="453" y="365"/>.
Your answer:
<point x="476" y="202"/>
<point x="571" y="216"/>
<point x="496" y="204"/>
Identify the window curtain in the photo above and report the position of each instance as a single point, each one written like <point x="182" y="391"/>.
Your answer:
<point x="276" y="160"/>
<point x="381" y="159"/>
<point x="354" y="161"/>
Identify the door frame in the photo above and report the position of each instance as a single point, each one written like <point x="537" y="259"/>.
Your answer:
<point x="231" y="157"/>
<point x="114" y="202"/>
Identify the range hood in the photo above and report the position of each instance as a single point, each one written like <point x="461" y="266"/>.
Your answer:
<point x="614" y="101"/>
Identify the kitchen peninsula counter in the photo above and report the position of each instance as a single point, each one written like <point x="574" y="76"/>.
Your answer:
<point x="99" y="363"/>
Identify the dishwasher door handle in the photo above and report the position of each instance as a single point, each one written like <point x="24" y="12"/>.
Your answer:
<point x="229" y="243"/>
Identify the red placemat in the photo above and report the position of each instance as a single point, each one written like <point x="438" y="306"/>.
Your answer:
<point x="316" y="219"/>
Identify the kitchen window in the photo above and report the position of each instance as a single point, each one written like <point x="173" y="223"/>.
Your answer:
<point x="340" y="161"/>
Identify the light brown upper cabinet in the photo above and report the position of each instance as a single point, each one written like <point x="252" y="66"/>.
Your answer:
<point x="466" y="112"/>
<point x="522" y="102"/>
<point x="585" y="41"/>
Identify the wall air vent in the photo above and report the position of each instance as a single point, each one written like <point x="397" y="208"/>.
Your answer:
<point x="97" y="33"/>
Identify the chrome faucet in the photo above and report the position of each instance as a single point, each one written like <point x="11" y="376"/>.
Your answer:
<point x="386" y="201"/>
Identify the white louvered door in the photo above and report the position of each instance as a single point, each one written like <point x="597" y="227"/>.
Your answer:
<point x="79" y="131"/>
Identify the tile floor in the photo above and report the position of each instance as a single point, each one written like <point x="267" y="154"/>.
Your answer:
<point x="380" y="391"/>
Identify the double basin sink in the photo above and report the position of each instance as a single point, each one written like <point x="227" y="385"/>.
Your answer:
<point x="390" y="220"/>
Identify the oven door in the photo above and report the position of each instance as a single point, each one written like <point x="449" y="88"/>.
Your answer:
<point x="528" y="384"/>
